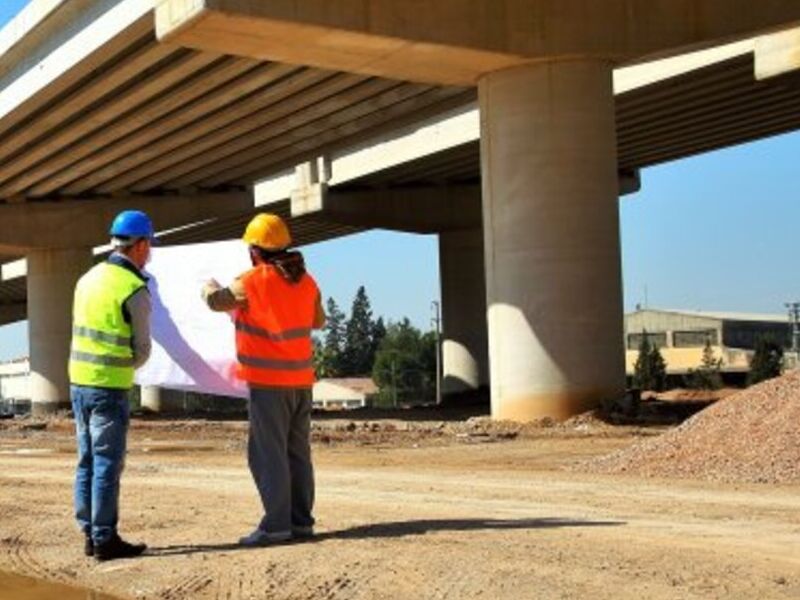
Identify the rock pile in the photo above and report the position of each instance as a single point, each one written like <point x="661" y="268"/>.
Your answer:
<point x="752" y="436"/>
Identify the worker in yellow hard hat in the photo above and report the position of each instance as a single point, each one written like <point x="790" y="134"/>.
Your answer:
<point x="277" y="304"/>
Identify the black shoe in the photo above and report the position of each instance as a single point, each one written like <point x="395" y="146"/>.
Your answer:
<point x="116" y="547"/>
<point x="303" y="532"/>
<point x="88" y="546"/>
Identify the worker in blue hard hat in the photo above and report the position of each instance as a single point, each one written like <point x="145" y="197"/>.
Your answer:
<point x="110" y="340"/>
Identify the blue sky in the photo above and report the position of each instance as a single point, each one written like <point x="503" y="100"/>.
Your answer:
<point x="714" y="232"/>
<point x="9" y="8"/>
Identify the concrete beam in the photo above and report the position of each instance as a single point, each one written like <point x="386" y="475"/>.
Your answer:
<point x="430" y="209"/>
<point x="85" y="223"/>
<point x="27" y="19"/>
<point x="415" y="210"/>
<point x="778" y="54"/>
<point x="52" y="46"/>
<point x="443" y="132"/>
<point x="450" y="42"/>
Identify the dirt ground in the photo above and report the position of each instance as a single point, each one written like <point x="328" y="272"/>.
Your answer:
<point x="430" y="511"/>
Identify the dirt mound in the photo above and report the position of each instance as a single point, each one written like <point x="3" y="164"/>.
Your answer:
<point x="751" y="436"/>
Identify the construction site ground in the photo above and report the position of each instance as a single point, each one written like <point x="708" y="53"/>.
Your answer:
<point x="427" y="507"/>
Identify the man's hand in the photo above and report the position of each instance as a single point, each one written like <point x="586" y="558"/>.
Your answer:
<point x="210" y="286"/>
<point x="224" y="299"/>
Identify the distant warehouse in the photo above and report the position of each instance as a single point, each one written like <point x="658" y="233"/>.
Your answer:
<point x="15" y="394"/>
<point x="681" y="336"/>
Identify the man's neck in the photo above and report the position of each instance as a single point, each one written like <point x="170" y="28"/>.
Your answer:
<point x="126" y="262"/>
<point x="126" y="258"/>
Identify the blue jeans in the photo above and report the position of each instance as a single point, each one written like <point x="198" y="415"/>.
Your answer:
<point x="101" y="423"/>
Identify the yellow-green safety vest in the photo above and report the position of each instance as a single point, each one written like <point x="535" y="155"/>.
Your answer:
<point x="102" y="351"/>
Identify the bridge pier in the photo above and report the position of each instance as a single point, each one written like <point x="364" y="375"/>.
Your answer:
<point x="465" y="345"/>
<point x="52" y="275"/>
<point x="551" y="222"/>
<point x="161" y="400"/>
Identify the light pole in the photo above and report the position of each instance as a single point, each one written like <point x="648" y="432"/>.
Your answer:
<point x="394" y="381"/>
<point x="436" y="321"/>
<point x="794" y="319"/>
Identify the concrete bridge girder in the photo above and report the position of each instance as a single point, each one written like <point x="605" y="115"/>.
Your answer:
<point x="75" y="224"/>
<point x="430" y="209"/>
<point x="459" y="42"/>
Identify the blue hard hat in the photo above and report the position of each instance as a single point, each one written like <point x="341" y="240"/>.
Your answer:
<point x="132" y="224"/>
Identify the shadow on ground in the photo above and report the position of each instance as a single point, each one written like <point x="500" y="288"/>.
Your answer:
<point x="398" y="529"/>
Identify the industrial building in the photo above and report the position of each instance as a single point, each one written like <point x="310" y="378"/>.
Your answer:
<point x="681" y="336"/>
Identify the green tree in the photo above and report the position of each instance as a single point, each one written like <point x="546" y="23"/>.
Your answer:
<point x="405" y="365"/>
<point x="376" y="337"/>
<point x="358" y="352"/>
<point x="707" y="376"/>
<point x="767" y="361"/>
<point x="328" y="354"/>
<point x="650" y="370"/>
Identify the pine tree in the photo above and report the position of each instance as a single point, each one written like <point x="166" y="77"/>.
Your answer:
<point x="658" y="370"/>
<point x="328" y="356"/>
<point x="376" y="337"/>
<point x="357" y="356"/>
<point x="650" y="370"/>
<point x="767" y="361"/>
<point x="707" y="376"/>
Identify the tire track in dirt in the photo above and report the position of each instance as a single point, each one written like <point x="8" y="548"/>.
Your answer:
<point x="188" y="587"/>
<point x="237" y="583"/>
<point x="280" y="579"/>
<point x="17" y="550"/>
<point x="351" y="580"/>
<point x="332" y="589"/>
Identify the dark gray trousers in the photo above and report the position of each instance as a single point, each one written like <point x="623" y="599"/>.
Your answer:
<point x="279" y="455"/>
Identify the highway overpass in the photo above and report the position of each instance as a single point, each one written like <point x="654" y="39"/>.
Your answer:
<point x="501" y="130"/>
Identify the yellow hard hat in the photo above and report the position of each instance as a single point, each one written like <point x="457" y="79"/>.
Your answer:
<point x="267" y="231"/>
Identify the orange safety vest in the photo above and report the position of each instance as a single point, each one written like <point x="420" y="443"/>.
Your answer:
<point x="273" y="332"/>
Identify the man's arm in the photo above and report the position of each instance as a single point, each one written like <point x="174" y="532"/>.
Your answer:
<point x="319" y="317"/>
<point x="220" y="299"/>
<point x="139" y="307"/>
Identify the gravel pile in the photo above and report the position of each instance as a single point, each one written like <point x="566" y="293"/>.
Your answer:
<point x="750" y="437"/>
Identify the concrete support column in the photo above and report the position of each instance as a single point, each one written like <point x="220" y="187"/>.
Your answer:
<point x="52" y="275"/>
<point x="161" y="400"/>
<point x="551" y="222"/>
<point x="465" y="345"/>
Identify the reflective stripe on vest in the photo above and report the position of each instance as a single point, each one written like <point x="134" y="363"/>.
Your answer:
<point x="273" y="333"/>
<point x="282" y="365"/>
<point x="95" y="359"/>
<point x="101" y="336"/>
<point x="283" y="336"/>
<point x="101" y="354"/>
